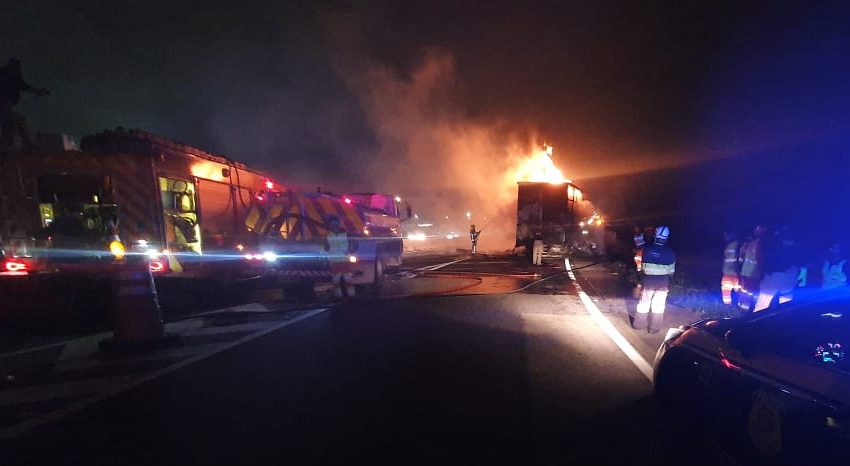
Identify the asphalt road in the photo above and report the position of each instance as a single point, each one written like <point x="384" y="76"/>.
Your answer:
<point x="524" y="378"/>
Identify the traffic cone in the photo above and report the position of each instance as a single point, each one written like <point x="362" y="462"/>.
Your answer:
<point x="134" y="309"/>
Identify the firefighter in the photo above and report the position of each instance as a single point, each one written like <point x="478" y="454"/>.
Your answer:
<point x="834" y="269"/>
<point x="640" y="242"/>
<point x="11" y="85"/>
<point x="730" y="282"/>
<point x="473" y="237"/>
<point x="781" y="269"/>
<point x="751" y="268"/>
<point x="339" y="247"/>
<point x="659" y="263"/>
<point x="537" y="249"/>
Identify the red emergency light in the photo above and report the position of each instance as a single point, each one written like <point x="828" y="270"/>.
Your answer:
<point x="269" y="185"/>
<point x="14" y="267"/>
<point x="347" y="200"/>
<point x="158" y="265"/>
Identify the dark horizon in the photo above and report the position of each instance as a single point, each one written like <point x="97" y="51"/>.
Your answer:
<point x="432" y="100"/>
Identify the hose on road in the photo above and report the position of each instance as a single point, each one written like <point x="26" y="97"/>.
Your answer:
<point x="536" y="282"/>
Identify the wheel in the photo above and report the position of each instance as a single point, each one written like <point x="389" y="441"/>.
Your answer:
<point x="379" y="275"/>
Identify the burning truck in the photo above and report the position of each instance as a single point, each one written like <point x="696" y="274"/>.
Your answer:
<point x="548" y="205"/>
<point x="550" y="210"/>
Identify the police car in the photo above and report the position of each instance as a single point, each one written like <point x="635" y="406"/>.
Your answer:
<point x="774" y="384"/>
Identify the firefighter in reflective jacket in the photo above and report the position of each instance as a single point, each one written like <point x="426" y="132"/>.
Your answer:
<point x="730" y="281"/>
<point x="659" y="263"/>
<point x="640" y="242"/>
<point x="834" y="268"/>
<point x="752" y="257"/>
<point x="338" y="249"/>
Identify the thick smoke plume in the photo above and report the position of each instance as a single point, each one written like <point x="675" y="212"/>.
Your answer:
<point x="444" y="163"/>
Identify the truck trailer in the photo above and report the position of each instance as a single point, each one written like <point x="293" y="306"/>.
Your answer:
<point x="549" y="210"/>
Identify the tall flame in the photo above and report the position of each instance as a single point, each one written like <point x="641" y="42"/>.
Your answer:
<point x="540" y="168"/>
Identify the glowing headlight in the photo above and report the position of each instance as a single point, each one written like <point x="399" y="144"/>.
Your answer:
<point x="416" y="236"/>
<point x="269" y="256"/>
<point x="352" y="259"/>
<point x="117" y="249"/>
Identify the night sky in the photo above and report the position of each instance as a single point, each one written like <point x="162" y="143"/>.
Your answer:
<point x="324" y="92"/>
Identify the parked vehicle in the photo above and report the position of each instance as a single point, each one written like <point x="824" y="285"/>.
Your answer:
<point x="290" y="229"/>
<point x="779" y="380"/>
<point x="127" y="192"/>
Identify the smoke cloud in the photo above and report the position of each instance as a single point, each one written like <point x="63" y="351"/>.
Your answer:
<point x="429" y="151"/>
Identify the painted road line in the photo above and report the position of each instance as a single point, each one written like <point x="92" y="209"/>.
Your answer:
<point x="52" y="391"/>
<point x="642" y="365"/>
<point x="29" y="424"/>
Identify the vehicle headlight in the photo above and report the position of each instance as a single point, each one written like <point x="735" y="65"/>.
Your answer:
<point x="418" y="236"/>
<point x="269" y="256"/>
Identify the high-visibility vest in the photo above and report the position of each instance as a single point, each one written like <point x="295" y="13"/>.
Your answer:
<point x="337" y="246"/>
<point x="658" y="260"/>
<point x="639" y="260"/>
<point x="751" y="267"/>
<point x="833" y="275"/>
<point x="730" y="259"/>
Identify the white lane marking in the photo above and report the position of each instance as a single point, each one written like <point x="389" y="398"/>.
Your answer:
<point x="210" y="331"/>
<point x="12" y="431"/>
<point x="14" y="396"/>
<point x="642" y="365"/>
<point x="169" y="353"/>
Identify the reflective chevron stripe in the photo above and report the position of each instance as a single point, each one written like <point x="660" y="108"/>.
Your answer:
<point x="658" y="269"/>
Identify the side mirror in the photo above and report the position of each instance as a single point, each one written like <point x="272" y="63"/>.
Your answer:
<point x="408" y="211"/>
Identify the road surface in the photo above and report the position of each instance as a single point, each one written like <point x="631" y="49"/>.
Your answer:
<point x="493" y="378"/>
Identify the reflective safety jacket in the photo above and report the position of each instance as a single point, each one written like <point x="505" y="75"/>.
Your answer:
<point x="337" y="246"/>
<point x="730" y="259"/>
<point x="640" y="242"/>
<point x="834" y="275"/>
<point x="658" y="259"/>
<point x="752" y="258"/>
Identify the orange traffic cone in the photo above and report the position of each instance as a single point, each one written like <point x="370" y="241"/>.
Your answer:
<point x="134" y="308"/>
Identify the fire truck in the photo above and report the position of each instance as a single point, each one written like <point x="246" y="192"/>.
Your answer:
<point x="291" y="227"/>
<point x="67" y="210"/>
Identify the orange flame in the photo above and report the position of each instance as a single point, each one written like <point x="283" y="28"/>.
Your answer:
<point x="540" y="168"/>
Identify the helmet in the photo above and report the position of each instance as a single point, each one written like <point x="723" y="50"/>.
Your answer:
<point x="661" y="234"/>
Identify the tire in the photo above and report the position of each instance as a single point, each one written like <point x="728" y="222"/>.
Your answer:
<point x="379" y="275"/>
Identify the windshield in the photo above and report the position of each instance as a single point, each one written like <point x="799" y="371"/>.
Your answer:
<point x="74" y="211"/>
